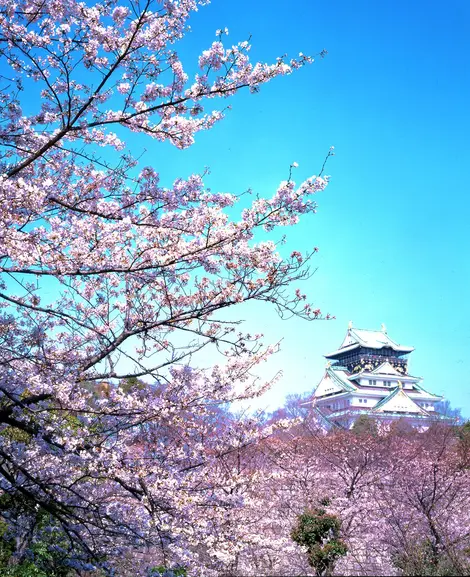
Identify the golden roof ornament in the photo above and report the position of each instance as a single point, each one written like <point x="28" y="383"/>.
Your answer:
<point x="328" y="365"/>
<point x="350" y="325"/>
<point x="400" y="385"/>
<point x="384" y="328"/>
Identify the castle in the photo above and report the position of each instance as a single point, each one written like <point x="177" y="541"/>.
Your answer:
<point x="368" y="374"/>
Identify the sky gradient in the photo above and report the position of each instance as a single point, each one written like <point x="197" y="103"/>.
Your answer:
<point x="392" y="227"/>
<point x="392" y="96"/>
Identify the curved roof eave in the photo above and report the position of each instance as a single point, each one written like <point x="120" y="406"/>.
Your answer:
<point x="348" y="348"/>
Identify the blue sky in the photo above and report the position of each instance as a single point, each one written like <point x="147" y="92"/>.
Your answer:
<point x="392" y="97"/>
<point x="392" y="227"/>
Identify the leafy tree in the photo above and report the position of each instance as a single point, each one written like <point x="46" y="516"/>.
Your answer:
<point x="320" y="533"/>
<point x="365" y="425"/>
<point x="424" y="559"/>
<point x="108" y="276"/>
<point x="402" y="427"/>
<point x="464" y="430"/>
<point x="445" y="408"/>
<point x="38" y="547"/>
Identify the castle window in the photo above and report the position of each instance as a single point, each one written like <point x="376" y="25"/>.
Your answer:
<point x="373" y="382"/>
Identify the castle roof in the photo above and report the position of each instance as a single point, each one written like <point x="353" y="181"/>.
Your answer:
<point x="398" y="402"/>
<point x="334" y="382"/>
<point x="356" y="338"/>
<point x="339" y="381"/>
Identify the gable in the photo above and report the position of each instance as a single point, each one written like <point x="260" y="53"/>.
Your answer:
<point x="386" y="369"/>
<point x="327" y="386"/>
<point x="399" y="402"/>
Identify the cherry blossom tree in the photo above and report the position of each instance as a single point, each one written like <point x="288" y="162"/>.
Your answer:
<point x="107" y="275"/>
<point x="426" y="503"/>
<point x="403" y="497"/>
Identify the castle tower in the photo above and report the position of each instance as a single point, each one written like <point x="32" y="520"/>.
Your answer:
<point x="368" y="374"/>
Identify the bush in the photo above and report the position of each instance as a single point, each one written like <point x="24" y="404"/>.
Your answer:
<point x="319" y="532"/>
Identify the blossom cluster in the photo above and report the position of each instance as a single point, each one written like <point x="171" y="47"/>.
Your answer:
<point x="112" y="283"/>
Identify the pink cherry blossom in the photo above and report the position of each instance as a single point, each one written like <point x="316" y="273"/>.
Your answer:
<point x="113" y="283"/>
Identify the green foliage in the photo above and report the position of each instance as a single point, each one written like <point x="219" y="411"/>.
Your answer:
<point x="15" y="434"/>
<point x="162" y="571"/>
<point x="424" y="559"/>
<point x="131" y="384"/>
<point x="48" y="550"/>
<point x="322" y="559"/>
<point x="24" y="569"/>
<point x="365" y="425"/>
<point x="43" y="560"/>
<point x="463" y="431"/>
<point x="319" y="532"/>
<point x="7" y="545"/>
<point x="402" y="428"/>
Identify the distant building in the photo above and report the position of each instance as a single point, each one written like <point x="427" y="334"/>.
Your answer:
<point x="368" y="374"/>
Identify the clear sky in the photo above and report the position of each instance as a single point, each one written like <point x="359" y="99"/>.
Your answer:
<point x="393" y="97"/>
